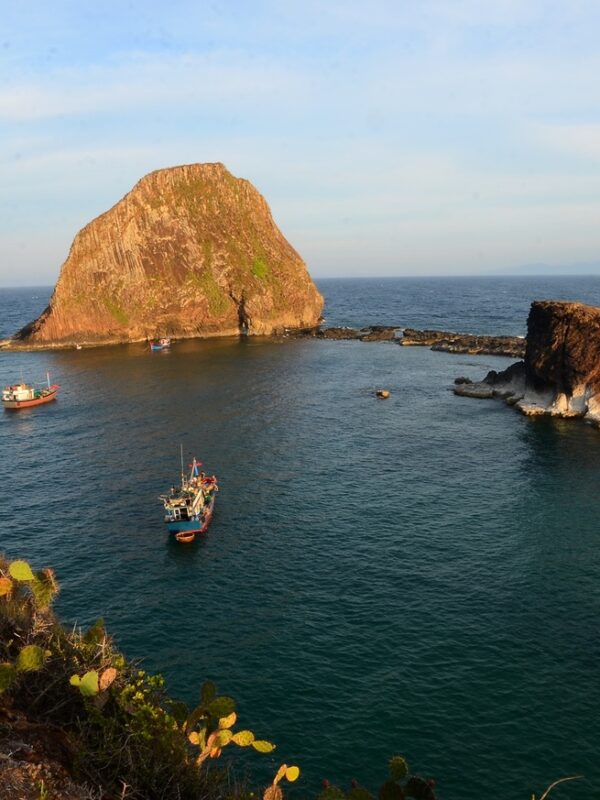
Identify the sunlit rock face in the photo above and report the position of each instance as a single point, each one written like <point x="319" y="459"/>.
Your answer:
<point x="560" y="375"/>
<point x="190" y="251"/>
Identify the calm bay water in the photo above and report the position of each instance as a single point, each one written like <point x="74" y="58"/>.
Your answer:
<point x="417" y="576"/>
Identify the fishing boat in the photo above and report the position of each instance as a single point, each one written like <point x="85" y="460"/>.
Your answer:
<point x="160" y="344"/>
<point x="23" y="395"/>
<point x="189" y="508"/>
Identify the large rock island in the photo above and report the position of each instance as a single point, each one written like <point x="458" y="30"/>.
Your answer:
<point x="190" y="251"/>
<point x="560" y="375"/>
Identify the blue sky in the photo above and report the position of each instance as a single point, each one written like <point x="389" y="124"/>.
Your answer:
<point x="389" y="138"/>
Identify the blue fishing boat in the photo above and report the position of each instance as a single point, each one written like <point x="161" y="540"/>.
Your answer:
<point x="160" y="344"/>
<point x="189" y="508"/>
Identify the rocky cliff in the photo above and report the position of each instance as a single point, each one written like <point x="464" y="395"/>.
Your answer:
<point x="190" y="251"/>
<point x="560" y="375"/>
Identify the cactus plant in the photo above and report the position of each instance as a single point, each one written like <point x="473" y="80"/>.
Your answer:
<point x="30" y="659"/>
<point x="18" y="582"/>
<point x="399" y="786"/>
<point x="41" y="585"/>
<point x="359" y="793"/>
<point x="398" y="768"/>
<point x="21" y="571"/>
<point x="88" y="685"/>
<point x="390" y="790"/>
<point x="209" y="725"/>
<point x="273" y="791"/>
<point x="92" y="684"/>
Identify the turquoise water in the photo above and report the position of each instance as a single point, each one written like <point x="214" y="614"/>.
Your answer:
<point x="418" y="575"/>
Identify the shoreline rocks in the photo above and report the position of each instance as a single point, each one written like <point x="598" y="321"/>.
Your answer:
<point x="444" y="341"/>
<point x="372" y="333"/>
<point x="464" y="343"/>
<point x="560" y="374"/>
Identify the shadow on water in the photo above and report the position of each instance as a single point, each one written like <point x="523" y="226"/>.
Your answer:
<point x="187" y="553"/>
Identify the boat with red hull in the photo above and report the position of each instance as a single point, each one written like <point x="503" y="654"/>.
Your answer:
<point x="22" y="395"/>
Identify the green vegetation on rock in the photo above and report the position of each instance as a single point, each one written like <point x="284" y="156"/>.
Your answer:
<point x="260" y="268"/>
<point x="205" y="281"/>
<point x="116" y="311"/>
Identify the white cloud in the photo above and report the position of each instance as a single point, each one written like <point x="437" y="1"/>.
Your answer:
<point x="399" y="133"/>
<point x="67" y="162"/>
<point x="213" y="82"/>
<point x="579" y="140"/>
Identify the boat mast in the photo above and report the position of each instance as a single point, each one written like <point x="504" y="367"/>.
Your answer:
<point x="48" y="378"/>
<point x="182" y="475"/>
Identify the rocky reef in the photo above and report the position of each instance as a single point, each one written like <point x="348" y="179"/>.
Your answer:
<point x="445" y="341"/>
<point x="450" y="342"/>
<point x="560" y="374"/>
<point x="373" y="333"/>
<point x="190" y="251"/>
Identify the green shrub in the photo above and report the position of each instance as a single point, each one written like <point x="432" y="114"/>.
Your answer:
<point x="260" y="268"/>
<point x="125" y="729"/>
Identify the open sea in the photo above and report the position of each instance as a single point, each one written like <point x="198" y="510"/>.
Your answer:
<point x="417" y="576"/>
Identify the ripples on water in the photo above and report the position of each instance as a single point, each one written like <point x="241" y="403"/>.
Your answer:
<point x="418" y="575"/>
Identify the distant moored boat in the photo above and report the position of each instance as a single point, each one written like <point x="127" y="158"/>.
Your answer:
<point x="161" y="344"/>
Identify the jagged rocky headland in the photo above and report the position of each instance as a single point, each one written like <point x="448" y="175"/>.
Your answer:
<point x="190" y="251"/>
<point x="560" y="374"/>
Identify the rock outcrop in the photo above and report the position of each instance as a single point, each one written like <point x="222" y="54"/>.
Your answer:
<point x="379" y="333"/>
<point x="372" y="333"/>
<point x="337" y="333"/>
<point x="560" y="375"/>
<point x="191" y="251"/>
<point x="445" y="341"/>
<point x="469" y="343"/>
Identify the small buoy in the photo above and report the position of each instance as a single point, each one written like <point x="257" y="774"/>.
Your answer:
<point x="383" y="393"/>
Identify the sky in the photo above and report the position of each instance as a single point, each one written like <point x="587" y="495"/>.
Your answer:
<point x="415" y="137"/>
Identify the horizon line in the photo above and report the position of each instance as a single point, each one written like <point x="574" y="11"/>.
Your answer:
<point x="459" y="276"/>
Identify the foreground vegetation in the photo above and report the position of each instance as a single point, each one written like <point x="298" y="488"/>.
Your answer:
<point x="110" y="730"/>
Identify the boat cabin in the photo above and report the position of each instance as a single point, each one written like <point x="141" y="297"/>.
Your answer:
<point x="20" y="392"/>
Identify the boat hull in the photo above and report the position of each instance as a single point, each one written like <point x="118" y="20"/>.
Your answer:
<point x="187" y="530"/>
<point x="162" y="345"/>
<point x="14" y="405"/>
